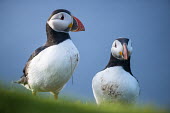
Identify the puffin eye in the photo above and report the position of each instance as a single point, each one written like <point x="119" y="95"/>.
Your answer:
<point x="62" y="17"/>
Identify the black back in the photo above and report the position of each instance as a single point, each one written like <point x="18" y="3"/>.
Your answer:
<point x="116" y="62"/>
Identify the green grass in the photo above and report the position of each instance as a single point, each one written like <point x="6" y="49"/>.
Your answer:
<point x="16" y="101"/>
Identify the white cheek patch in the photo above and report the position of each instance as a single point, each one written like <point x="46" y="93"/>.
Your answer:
<point x="68" y="18"/>
<point x="60" y="25"/>
<point x="57" y="25"/>
<point x="116" y="49"/>
<point x="56" y="16"/>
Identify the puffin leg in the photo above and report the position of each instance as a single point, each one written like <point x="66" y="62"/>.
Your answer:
<point x="55" y="95"/>
<point x="34" y="93"/>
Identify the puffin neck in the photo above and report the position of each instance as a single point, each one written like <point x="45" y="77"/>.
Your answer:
<point x="54" y="37"/>
<point x="116" y="62"/>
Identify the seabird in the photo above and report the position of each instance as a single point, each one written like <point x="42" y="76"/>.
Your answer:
<point x="50" y="66"/>
<point x="116" y="83"/>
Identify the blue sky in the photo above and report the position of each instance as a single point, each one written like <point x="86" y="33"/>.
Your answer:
<point x="145" y="22"/>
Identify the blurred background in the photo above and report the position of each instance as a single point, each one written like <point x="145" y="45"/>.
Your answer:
<point x="145" y="22"/>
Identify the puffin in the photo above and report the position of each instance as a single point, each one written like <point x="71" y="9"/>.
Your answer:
<point x="50" y="66"/>
<point x="116" y="83"/>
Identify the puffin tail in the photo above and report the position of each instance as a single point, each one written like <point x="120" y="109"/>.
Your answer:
<point x="23" y="80"/>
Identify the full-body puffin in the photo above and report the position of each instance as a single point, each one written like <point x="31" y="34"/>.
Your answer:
<point x="51" y="65"/>
<point x="116" y="82"/>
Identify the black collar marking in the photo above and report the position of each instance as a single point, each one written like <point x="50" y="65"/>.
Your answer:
<point x="116" y="62"/>
<point x="54" y="37"/>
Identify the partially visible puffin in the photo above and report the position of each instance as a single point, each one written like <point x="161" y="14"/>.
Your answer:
<point x="116" y="83"/>
<point x="50" y="66"/>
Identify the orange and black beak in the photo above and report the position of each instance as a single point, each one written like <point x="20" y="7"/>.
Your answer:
<point x="125" y="52"/>
<point x="77" y="25"/>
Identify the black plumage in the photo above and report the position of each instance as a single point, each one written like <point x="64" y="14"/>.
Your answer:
<point x="116" y="62"/>
<point x="58" y="11"/>
<point x="123" y="40"/>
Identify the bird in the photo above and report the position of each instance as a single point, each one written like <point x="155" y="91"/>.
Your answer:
<point x="116" y="83"/>
<point x="50" y="66"/>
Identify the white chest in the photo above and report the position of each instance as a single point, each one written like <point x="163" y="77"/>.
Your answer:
<point x="53" y="67"/>
<point x="115" y="84"/>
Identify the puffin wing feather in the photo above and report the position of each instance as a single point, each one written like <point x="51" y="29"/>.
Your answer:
<point x="23" y="79"/>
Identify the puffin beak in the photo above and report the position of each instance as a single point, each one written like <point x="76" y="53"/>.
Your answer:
<point x="125" y="52"/>
<point x="77" y="25"/>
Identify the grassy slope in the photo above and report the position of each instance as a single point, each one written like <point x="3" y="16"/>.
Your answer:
<point x="19" y="102"/>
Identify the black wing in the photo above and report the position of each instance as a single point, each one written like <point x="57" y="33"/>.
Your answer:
<point x="23" y="79"/>
<point x="35" y="53"/>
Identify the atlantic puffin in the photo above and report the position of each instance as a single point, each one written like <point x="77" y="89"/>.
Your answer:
<point x="50" y="66"/>
<point x="116" y="83"/>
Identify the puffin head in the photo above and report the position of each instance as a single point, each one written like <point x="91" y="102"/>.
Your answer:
<point x="122" y="48"/>
<point x="62" y="20"/>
